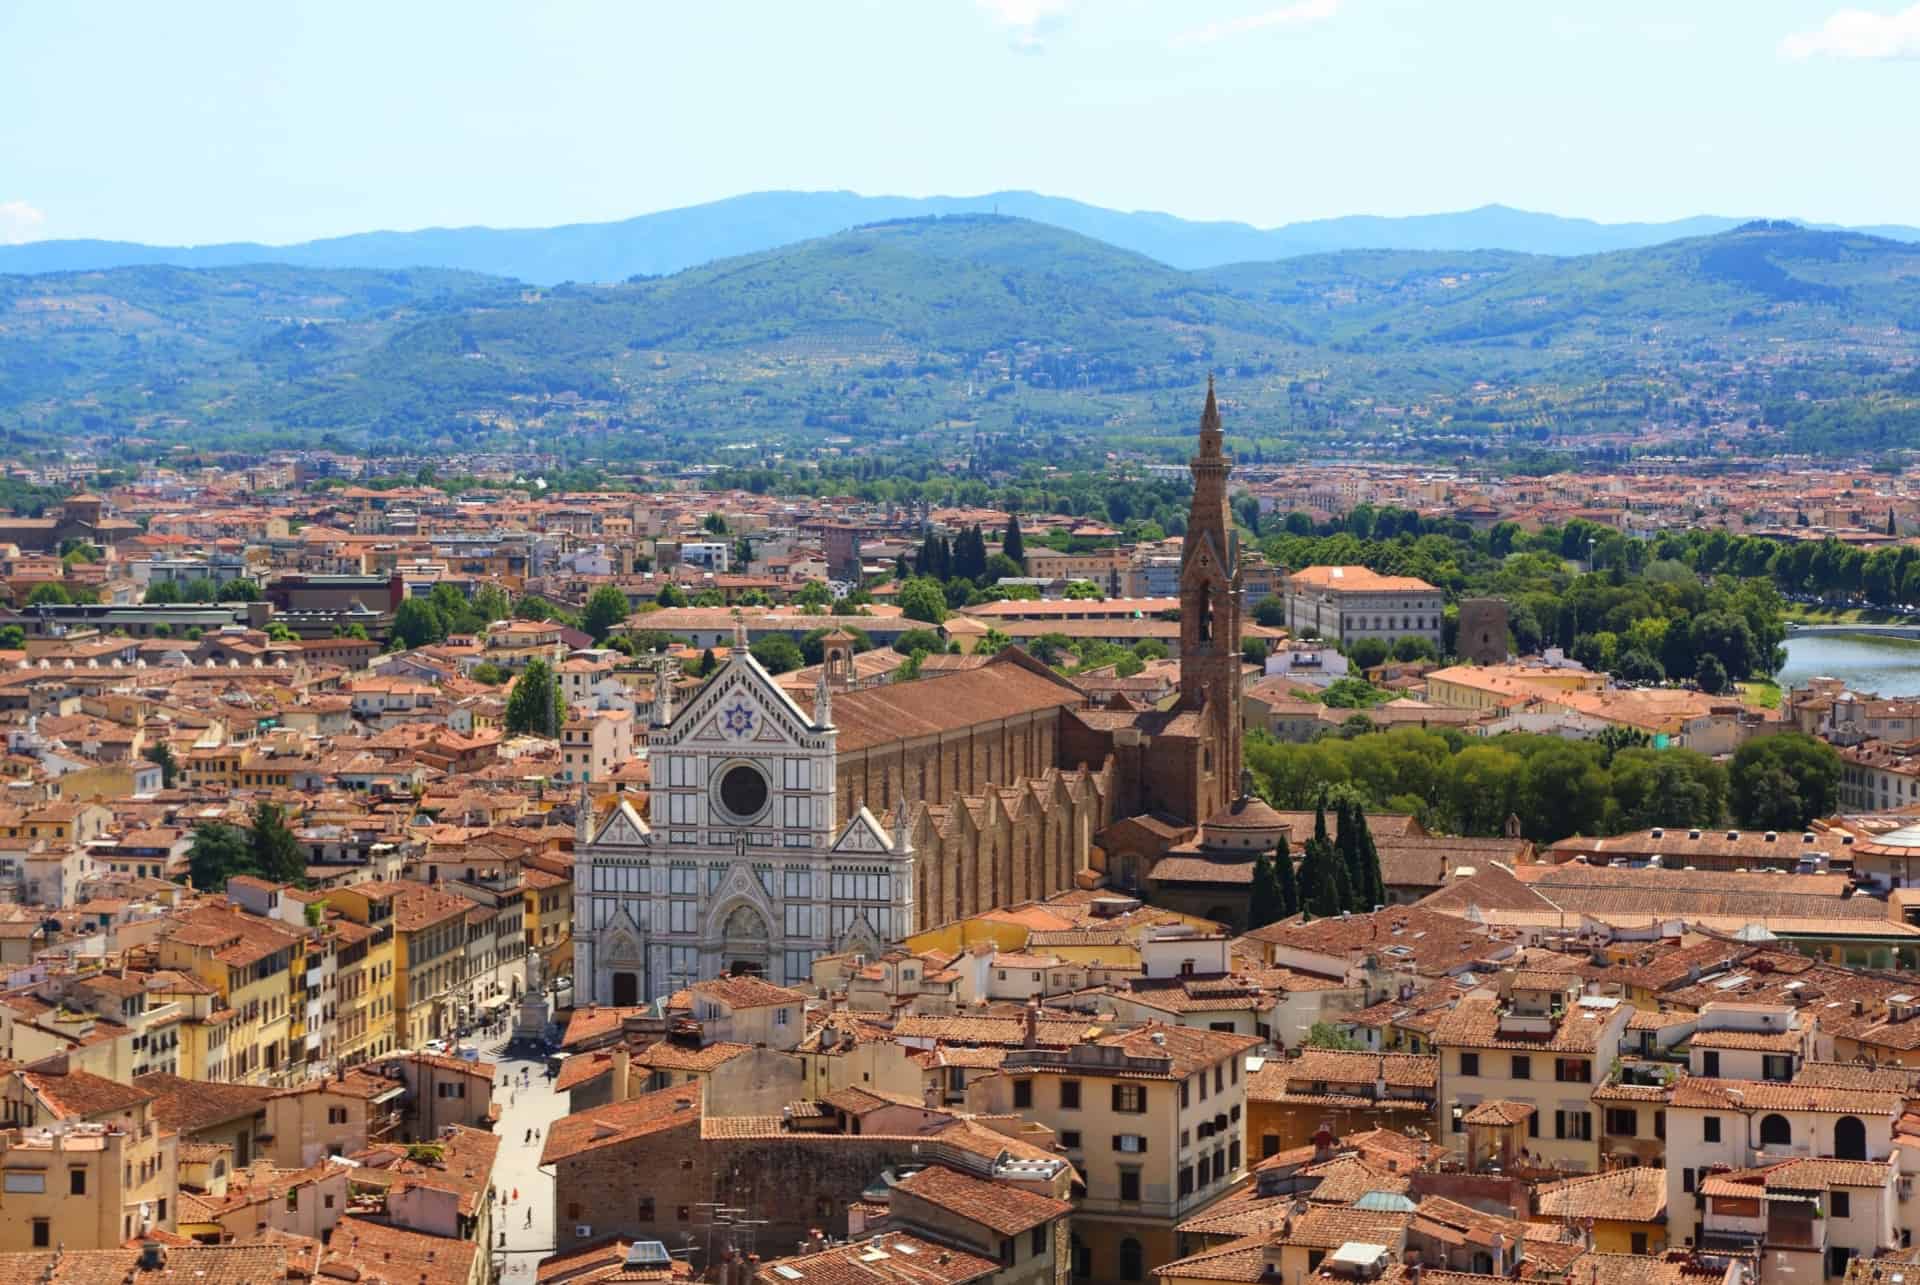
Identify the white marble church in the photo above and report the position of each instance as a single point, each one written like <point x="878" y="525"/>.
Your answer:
<point x="745" y="866"/>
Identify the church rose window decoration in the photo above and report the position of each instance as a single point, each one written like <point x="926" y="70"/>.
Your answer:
<point x="743" y="791"/>
<point x="737" y="719"/>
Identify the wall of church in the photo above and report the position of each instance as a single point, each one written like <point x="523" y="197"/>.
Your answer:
<point x="936" y="769"/>
<point x="1010" y="846"/>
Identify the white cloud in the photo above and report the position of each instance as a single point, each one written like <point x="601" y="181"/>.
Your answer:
<point x="1028" y="21"/>
<point x="19" y="222"/>
<point x="1300" y="13"/>
<point x="1858" y="33"/>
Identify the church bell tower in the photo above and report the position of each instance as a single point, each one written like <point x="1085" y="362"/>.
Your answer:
<point x="1210" y="604"/>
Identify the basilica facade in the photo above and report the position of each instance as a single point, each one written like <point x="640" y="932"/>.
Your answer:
<point x="778" y="829"/>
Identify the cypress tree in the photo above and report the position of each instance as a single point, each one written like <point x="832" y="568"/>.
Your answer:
<point x="1014" y="545"/>
<point x="1264" y="901"/>
<point x="1289" y="885"/>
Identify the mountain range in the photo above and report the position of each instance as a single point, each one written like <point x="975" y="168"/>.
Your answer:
<point x="972" y="326"/>
<point x="673" y="240"/>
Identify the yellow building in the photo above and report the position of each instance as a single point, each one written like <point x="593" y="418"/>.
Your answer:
<point x="83" y="1162"/>
<point x="365" y="982"/>
<point x="549" y="914"/>
<point x="430" y="964"/>
<point x="249" y="962"/>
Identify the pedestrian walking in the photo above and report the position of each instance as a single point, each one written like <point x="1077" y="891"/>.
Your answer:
<point x="529" y="1217"/>
<point x="516" y="1193"/>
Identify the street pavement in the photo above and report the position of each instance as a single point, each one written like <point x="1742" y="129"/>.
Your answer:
<point x="532" y="1105"/>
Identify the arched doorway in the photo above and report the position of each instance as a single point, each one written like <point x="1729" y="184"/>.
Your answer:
<point x="745" y="938"/>
<point x="1132" y="1260"/>
<point x="1775" y="1131"/>
<point x="1849" y="1139"/>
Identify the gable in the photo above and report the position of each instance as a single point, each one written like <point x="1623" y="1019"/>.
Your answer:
<point x="623" y="828"/>
<point x="863" y="834"/>
<point x="739" y="706"/>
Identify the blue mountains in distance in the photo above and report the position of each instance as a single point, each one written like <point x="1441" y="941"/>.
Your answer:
<point x="673" y="240"/>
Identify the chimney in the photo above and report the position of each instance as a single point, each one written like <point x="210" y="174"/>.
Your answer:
<point x="1031" y="1036"/>
<point x="1322" y="1145"/>
<point x="621" y="1062"/>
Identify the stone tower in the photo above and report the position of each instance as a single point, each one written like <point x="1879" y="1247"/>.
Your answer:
<point x="1210" y="599"/>
<point x="1482" y="637"/>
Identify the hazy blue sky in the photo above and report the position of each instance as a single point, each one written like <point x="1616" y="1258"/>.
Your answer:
<point x="280" y="121"/>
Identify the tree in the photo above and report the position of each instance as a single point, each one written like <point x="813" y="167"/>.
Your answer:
<point x="1782" y="782"/>
<point x="488" y="673"/>
<point x="923" y="599"/>
<point x="417" y="624"/>
<point x="239" y="591"/>
<point x="1013" y="544"/>
<point x="1253" y="650"/>
<point x="535" y="706"/>
<point x="161" y="593"/>
<point x="606" y="607"/>
<point x="671" y="595"/>
<point x="1323" y="880"/>
<point x="274" y="851"/>
<point x="12" y="638"/>
<point x="919" y="640"/>
<point x="1413" y="647"/>
<point x="277" y="631"/>
<point x="200" y="589"/>
<point x="1365" y="653"/>
<point x="1270" y="612"/>
<point x="1083" y="590"/>
<point x="715" y="524"/>
<point x="1325" y="1035"/>
<point x="218" y="852"/>
<point x="161" y="756"/>
<point x="992" y="643"/>
<point x="1000" y="567"/>
<point x="491" y="604"/>
<point x="49" y="593"/>
<point x="1289" y="883"/>
<point x="777" y="654"/>
<point x="1711" y="675"/>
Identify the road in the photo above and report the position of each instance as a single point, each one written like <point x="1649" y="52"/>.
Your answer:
<point x="532" y="1106"/>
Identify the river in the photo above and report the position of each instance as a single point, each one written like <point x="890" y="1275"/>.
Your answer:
<point x="1889" y="666"/>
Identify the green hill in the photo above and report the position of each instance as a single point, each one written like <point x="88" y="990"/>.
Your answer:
<point x="946" y="326"/>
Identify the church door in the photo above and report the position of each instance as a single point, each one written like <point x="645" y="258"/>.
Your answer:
<point x="626" y="990"/>
<point x="747" y="941"/>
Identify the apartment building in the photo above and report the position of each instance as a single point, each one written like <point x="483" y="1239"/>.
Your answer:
<point x="366" y="1014"/>
<point x="1808" y="1170"/>
<point x="83" y="1162"/>
<point x="1540" y="1046"/>
<point x="430" y="962"/>
<point x="1153" y="1118"/>
<point x="249" y="962"/>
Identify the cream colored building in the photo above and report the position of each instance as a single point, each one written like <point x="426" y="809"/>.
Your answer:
<point x="1152" y="1118"/>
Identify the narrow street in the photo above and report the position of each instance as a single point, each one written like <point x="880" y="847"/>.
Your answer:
<point x="517" y="1247"/>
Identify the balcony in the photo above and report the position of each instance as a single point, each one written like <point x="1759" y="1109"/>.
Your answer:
<point x="1788" y="1232"/>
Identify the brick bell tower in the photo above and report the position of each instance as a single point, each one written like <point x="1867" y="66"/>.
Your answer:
<point x="1210" y="609"/>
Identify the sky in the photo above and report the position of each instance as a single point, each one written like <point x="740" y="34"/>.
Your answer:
<point x="214" y="121"/>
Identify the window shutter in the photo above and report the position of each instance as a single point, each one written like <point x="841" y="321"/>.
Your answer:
<point x="1116" y="1098"/>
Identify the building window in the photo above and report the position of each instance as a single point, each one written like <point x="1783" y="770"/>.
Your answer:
<point x="1622" y="1122"/>
<point x="1038" y="1245"/>
<point x="1572" y="1070"/>
<point x="1639" y="1242"/>
<point x="1070" y="1139"/>
<point x="1131" y="1143"/>
<point x="1522" y="1066"/>
<point x="1130" y="1184"/>
<point x="1130" y="1098"/>
<point x="1022" y="1094"/>
<point x="1840" y="1204"/>
<point x="1709" y="1062"/>
<point x="42" y="1233"/>
<point x="1574" y="1125"/>
<point x="1710" y="1129"/>
<point x="1686" y="1180"/>
<point x="1069" y="1095"/>
<point x="1470" y="1064"/>
<point x="77" y="1182"/>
